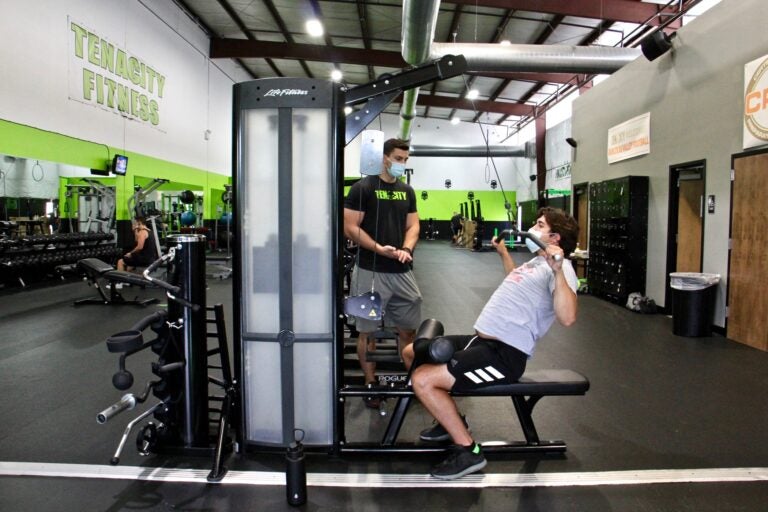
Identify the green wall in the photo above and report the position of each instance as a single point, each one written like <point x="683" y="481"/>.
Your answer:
<point x="33" y="143"/>
<point x="440" y="204"/>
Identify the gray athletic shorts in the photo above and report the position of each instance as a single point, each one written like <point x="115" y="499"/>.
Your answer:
<point x="400" y="299"/>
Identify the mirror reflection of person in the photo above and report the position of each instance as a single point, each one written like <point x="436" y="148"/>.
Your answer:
<point x="380" y="217"/>
<point x="456" y="226"/>
<point x="518" y="314"/>
<point x="144" y="253"/>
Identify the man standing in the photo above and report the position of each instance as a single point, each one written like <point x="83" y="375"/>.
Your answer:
<point x="380" y="217"/>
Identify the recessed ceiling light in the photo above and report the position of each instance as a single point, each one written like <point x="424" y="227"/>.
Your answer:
<point x="336" y="75"/>
<point x="473" y="94"/>
<point x="315" y="28"/>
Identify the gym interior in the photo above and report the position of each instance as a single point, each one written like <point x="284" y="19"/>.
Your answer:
<point x="223" y="375"/>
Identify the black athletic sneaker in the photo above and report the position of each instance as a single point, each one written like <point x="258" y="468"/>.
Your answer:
<point x="437" y="433"/>
<point x="461" y="461"/>
<point x="372" y="402"/>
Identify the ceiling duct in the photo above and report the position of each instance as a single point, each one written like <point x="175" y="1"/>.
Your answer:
<point x="419" y="22"/>
<point x="538" y="57"/>
<point x="476" y="151"/>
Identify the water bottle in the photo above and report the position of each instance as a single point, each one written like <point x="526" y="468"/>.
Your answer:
<point x="296" y="472"/>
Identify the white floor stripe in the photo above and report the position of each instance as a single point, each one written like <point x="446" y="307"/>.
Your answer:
<point x="267" y="478"/>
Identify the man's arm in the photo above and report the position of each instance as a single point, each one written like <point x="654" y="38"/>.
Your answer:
<point x="565" y="304"/>
<point x="506" y="259"/>
<point x="353" y="231"/>
<point x="412" y="229"/>
<point x="142" y="236"/>
<point x="404" y="254"/>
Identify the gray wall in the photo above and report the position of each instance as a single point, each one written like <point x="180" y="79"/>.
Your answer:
<point x="695" y="96"/>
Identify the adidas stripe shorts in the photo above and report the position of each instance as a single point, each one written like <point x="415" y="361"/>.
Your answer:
<point x="479" y="363"/>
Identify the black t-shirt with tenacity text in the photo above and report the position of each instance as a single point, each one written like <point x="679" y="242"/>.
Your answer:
<point x="386" y="207"/>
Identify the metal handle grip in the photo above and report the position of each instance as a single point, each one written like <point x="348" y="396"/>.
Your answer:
<point x="531" y="237"/>
<point x="126" y="403"/>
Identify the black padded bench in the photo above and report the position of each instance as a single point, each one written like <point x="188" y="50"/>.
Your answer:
<point x="96" y="270"/>
<point x="525" y="394"/>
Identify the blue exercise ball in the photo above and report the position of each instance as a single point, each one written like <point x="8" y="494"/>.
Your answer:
<point x="188" y="218"/>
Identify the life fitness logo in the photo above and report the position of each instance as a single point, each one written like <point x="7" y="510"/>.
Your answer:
<point x="286" y="92"/>
<point x="756" y="102"/>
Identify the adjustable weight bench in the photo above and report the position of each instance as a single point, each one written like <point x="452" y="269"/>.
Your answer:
<point x="525" y="394"/>
<point x="96" y="270"/>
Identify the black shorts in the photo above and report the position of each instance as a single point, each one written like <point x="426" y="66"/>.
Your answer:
<point x="479" y="363"/>
<point x="137" y="260"/>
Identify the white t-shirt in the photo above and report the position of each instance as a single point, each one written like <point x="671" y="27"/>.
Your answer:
<point x="521" y="310"/>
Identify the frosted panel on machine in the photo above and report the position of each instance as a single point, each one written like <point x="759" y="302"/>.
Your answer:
<point x="263" y="393"/>
<point x="313" y="377"/>
<point x="259" y="222"/>
<point x="312" y="222"/>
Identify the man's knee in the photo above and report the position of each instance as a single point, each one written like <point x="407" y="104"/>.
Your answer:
<point x="420" y="380"/>
<point x="429" y="377"/>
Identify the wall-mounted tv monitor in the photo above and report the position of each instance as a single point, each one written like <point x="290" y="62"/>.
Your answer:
<point x="120" y="164"/>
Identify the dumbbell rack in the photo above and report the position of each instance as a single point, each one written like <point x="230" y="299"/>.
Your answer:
<point x="39" y="255"/>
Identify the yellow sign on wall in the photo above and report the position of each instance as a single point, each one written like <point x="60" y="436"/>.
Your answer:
<point x="756" y="103"/>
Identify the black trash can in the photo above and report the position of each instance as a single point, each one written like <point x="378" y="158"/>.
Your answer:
<point x="693" y="303"/>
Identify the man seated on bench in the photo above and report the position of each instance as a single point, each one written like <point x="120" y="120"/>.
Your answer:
<point x="521" y="310"/>
<point x="145" y="251"/>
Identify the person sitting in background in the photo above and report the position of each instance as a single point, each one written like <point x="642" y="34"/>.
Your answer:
<point x="144" y="253"/>
<point x="456" y="226"/>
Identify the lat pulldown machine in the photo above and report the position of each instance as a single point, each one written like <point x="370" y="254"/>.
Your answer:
<point x="289" y="136"/>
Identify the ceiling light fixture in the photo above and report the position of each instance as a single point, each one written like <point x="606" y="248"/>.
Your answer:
<point x="314" y="28"/>
<point x="347" y="110"/>
<point x="473" y="94"/>
<point x="336" y="75"/>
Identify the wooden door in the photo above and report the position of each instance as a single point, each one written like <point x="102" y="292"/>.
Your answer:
<point x="689" y="225"/>
<point x="582" y="209"/>
<point x="748" y="266"/>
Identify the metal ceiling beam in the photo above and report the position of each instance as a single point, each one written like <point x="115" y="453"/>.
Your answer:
<point x="239" y="22"/>
<point x="210" y="32"/>
<point x="581" y="80"/>
<point x="326" y="36"/>
<point x="553" y="78"/>
<point x="498" y="107"/>
<point x="630" y="11"/>
<point x="286" y="34"/>
<point x="453" y="29"/>
<point x="362" y="14"/>
<point x="246" y="49"/>
<point x="541" y="39"/>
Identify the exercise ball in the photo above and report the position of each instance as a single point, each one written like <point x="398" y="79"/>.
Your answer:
<point x="188" y="218"/>
<point x="226" y="218"/>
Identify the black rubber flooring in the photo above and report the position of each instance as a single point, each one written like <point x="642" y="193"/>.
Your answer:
<point x="657" y="401"/>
